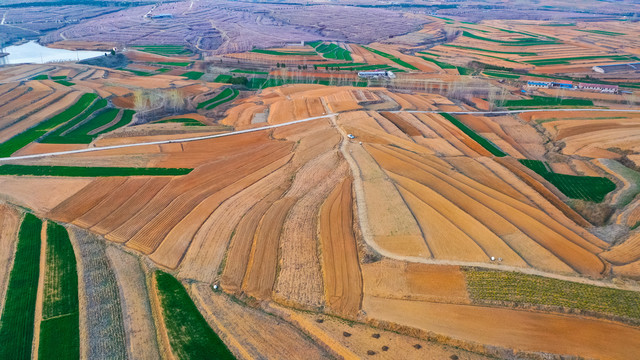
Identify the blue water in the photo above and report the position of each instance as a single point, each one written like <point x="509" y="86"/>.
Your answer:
<point x="34" y="53"/>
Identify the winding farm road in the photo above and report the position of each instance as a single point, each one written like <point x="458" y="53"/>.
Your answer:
<point x="359" y="186"/>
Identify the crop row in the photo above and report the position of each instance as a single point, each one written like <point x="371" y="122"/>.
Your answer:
<point x="588" y="188"/>
<point x="523" y="289"/>
<point x="225" y="95"/>
<point x="26" y="137"/>
<point x="288" y="53"/>
<point x="59" y="329"/>
<point x="520" y="53"/>
<point x="189" y="334"/>
<point x="392" y="58"/>
<point x="332" y="51"/>
<point x="56" y="136"/>
<point x="567" y="60"/>
<point x="16" y="327"/>
<point x="491" y="147"/>
<point x="263" y="83"/>
<point x="165" y="50"/>
<point x="532" y="41"/>
<point x="184" y="121"/>
<point x="193" y="75"/>
<point x="540" y="101"/>
<point x="77" y="171"/>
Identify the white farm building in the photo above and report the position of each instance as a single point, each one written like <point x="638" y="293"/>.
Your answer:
<point x="376" y="74"/>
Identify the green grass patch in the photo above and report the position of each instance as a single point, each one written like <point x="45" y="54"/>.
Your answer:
<point x="520" y="53"/>
<point x="512" y="288"/>
<point x="163" y="70"/>
<point x="568" y="60"/>
<point x="23" y="139"/>
<point x="333" y="51"/>
<point x="80" y="135"/>
<point x="59" y="329"/>
<point x="60" y="77"/>
<point x="392" y="58"/>
<point x="635" y="226"/>
<point x="293" y="53"/>
<point x="491" y="147"/>
<point x="55" y="136"/>
<point x="41" y="77"/>
<point x="65" y="82"/>
<point x="223" y="78"/>
<point x="18" y="314"/>
<point x="183" y="121"/>
<point x="165" y="50"/>
<point x="242" y="71"/>
<point x="544" y="101"/>
<point x="172" y="63"/>
<point x="528" y="41"/>
<point x="588" y="188"/>
<point x="441" y="64"/>
<point x="560" y="24"/>
<point x="189" y="334"/>
<point x="501" y="74"/>
<point x="225" y="95"/>
<point x="78" y="171"/>
<point x="137" y="72"/>
<point x="193" y="75"/>
<point x="603" y="32"/>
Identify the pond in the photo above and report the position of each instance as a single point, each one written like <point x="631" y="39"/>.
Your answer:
<point x="32" y="52"/>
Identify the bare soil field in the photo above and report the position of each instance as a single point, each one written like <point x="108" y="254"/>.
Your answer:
<point x="9" y="225"/>
<point x="528" y="330"/>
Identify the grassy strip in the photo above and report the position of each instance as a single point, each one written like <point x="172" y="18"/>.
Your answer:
<point x="492" y="51"/>
<point x="540" y="101"/>
<point x="491" y="147"/>
<point x="488" y="286"/>
<point x="65" y="82"/>
<point x="242" y="71"/>
<point x="588" y="188"/>
<point x="59" y="77"/>
<point x="391" y="57"/>
<point x="222" y="95"/>
<point x="184" y="121"/>
<point x="441" y="64"/>
<point x="163" y="70"/>
<point x="602" y="32"/>
<point x="262" y="83"/>
<point x="80" y="134"/>
<point x="189" y="334"/>
<point x="170" y="63"/>
<point x="41" y="77"/>
<point x="333" y="51"/>
<point x="560" y="24"/>
<point x="55" y="136"/>
<point x="223" y="79"/>
<point x="23" y="139"/>
<point x="234" y="94"/>
<point x="127" y="116"/>
<point x="165" y="50"/>
<point x="294" y="53"/>
<point x="560" y="61"/>
<point x="59" y="329"/>
<point x="193" y="75"/>
<point x="137" y="72"/>
<point x="78" y="171"/>
<point x="520" y="42"/>
<point x="16" y="329"/>
<point x="501" y="74"/>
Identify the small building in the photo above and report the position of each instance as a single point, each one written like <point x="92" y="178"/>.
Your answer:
<point x="539" y="84"/>
<point x="376" y="74"/>
<point x="606" y="69"/>
<point x="562" y="84"/>
<point x="612" y="89"/>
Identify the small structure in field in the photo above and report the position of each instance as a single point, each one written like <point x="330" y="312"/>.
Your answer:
<point x="376" y="74"/>
<point x="605" y="69"/>
<point x="612" y="89"/>
<point x="160" y="16"/>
